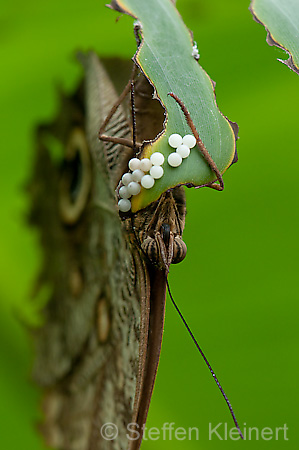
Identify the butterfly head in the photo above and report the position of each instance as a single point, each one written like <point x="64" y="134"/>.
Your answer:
<point x="160" y="237"/>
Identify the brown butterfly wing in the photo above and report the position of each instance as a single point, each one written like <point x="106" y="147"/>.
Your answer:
<point x="98" y="350"/>
<point x="88" y="349"/>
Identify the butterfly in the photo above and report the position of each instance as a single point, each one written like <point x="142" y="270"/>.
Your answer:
<point x="98" y="349"/>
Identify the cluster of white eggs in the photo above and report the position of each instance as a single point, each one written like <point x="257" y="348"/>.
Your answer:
<point x="131" y="182"/>
<point x="182" y="146"/>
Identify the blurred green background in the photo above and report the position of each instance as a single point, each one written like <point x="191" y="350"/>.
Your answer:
<point x="243" y="307"/>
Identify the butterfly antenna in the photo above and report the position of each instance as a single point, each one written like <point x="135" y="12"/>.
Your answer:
<point x="205" y="360"/>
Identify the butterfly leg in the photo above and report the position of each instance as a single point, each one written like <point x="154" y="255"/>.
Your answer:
<point x="202" y="148"/>
<point x="117" y="140"/>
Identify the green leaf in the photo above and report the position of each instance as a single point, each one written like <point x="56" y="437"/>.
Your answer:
<point x="165" y="56"/>
<point x="281" y="21"/>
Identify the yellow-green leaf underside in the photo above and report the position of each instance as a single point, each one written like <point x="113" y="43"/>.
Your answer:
<point x="165" y="57"/>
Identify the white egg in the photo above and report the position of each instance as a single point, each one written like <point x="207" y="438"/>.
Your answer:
<point x="126" y="178"/>
<point x="175" y="140"/>
<point x="174" y="159"/>
<point x="134" y="164"/>
<point x="145" y="164"/>
<point x="137" y="175"/>
<point x="147" y="182"/>
<point x="157" y="159"/>
<point x="124" y="192"/>
<point x="124" y="205"/>
<point x="183" y="151"/>
<point x="156" y="172"/>
<point x="189" y="140"/>
<point x="134" y="188"/>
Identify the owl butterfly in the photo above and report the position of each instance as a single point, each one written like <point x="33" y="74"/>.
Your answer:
<point x="98" y="349"/>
